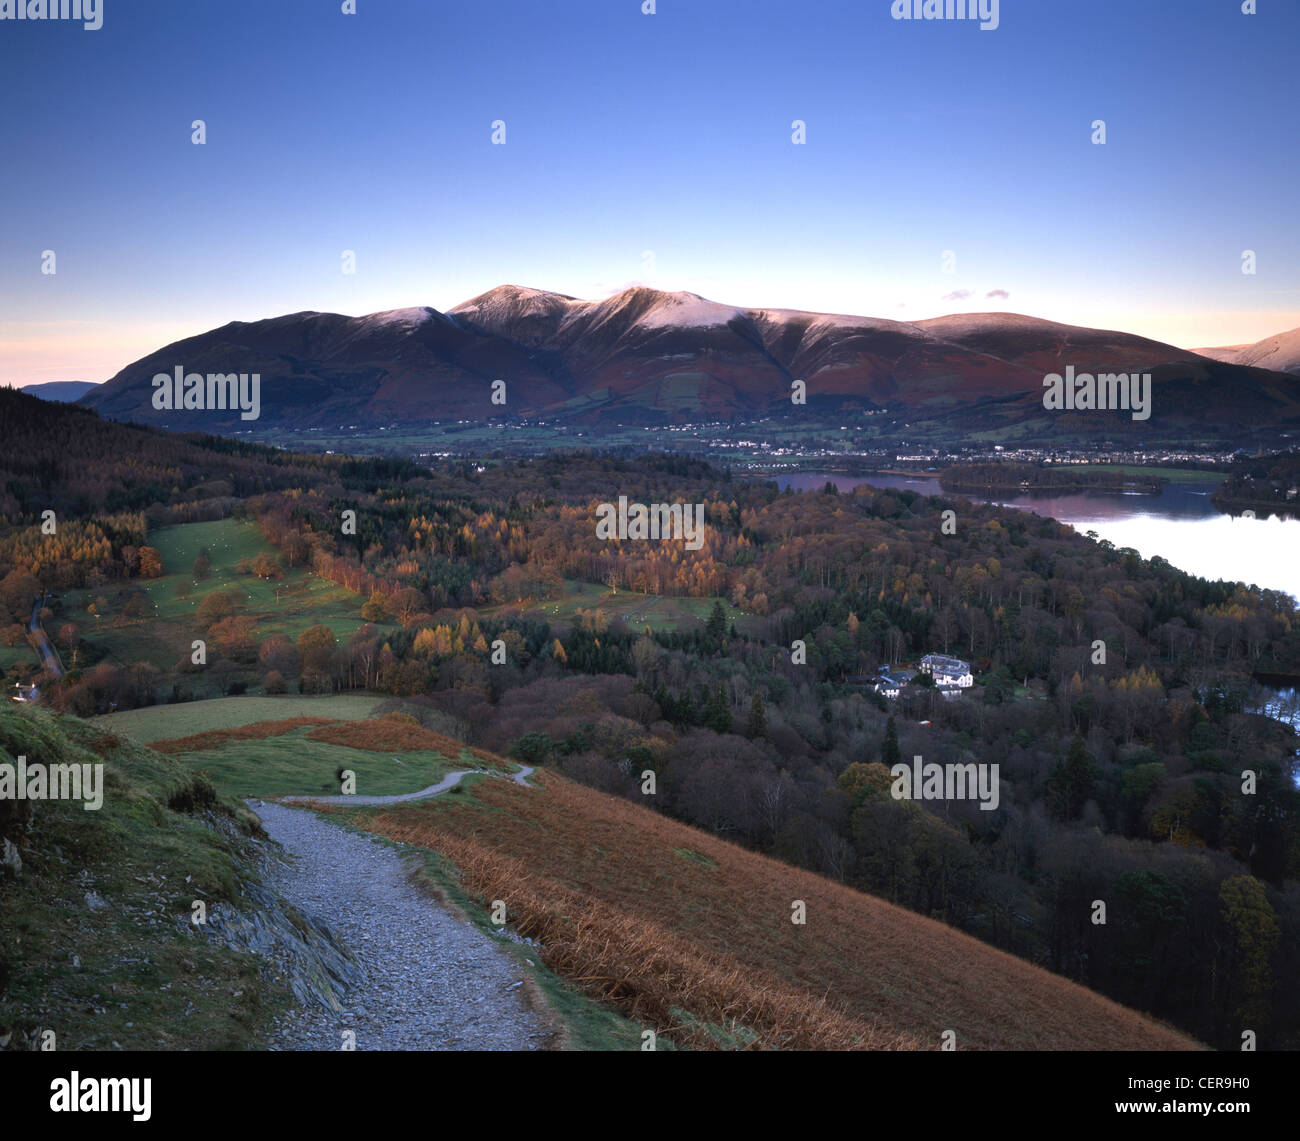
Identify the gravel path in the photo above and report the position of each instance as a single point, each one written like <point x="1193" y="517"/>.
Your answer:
<point x="431" y="982"/>
<point x="449" y="781"/>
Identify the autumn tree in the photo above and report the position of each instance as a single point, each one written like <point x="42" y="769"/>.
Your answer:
<point x="865" y="779"/>
<point x="376" y="608"/>
<point x="278" y="654"/>
<point x="218" y="605"/>
<point x="317" y="645"/>
<point x="265" y="567"/>
<point x="151" y="563"/>
<point x="407" y="603"/>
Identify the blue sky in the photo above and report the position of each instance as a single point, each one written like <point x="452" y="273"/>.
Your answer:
<point x="628" y="133"/>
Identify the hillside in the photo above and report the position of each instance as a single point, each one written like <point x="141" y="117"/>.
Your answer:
<point x="94" y="906"/>
<point x="1280" y="352"/>
<point x="67" y="458"/>
<point x="640" y="876"/>
<point x="60" y="391"/>
<point x="649" y="357"/>
<point x="690" y="934"/>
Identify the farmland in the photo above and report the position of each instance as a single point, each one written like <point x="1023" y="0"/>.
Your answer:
<point x="157" y="722"/>
<point x="162" y="630"/>
<point x="659" y="612"/>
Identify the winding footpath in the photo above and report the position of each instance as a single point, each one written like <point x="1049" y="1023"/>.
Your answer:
<point x="430" y="981"/>
<point x="447" y="782"/>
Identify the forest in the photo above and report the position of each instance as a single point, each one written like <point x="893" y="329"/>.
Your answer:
<point x="1115" y="693"/>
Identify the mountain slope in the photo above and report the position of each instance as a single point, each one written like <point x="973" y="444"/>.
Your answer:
<point x="664" y="897"/>
<point x="685" y="932"/>
<point x="648" y="357"/>
<point x="61" y="390"/>
<point x="1280" y="352"/>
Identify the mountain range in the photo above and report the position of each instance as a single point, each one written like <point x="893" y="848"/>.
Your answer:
<point x="646" y="357"/>
<point x="1280" y="352"/>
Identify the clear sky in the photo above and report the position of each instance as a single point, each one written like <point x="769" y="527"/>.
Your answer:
<point x="651" y="149"/>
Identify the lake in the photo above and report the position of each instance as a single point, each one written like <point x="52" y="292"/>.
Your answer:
<point x="1179" y="524"/>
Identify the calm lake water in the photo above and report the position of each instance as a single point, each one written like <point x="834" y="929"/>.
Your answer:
<point x="1180" y="524"/>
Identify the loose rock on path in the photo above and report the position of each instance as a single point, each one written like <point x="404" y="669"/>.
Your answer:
<point x="430" y="981"/>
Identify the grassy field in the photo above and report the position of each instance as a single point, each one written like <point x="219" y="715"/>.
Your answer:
<point x="659" y="612"/>
<point x="159" y="722"/>
<point x="162" y="635"/>
<point x="1173" y="474"/>
<point x="299" y="750"/>
<point x="293" y="765"/>
<point x="11" y="656"/>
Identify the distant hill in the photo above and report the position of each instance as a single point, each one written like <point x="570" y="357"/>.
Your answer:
<point x="65" y="457"/>
<point x="645" y="357"/>
<point x="1280" y="352"/>
<point x="64" y="391"/>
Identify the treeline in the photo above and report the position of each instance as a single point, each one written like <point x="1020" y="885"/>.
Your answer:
<point x="1013" y="476"/>
<point x="1262" y="484"/>
<point x="75" y="489"/>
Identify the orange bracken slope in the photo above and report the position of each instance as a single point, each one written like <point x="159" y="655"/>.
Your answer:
<point x="653" y="915"/>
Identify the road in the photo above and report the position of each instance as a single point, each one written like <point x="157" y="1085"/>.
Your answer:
<point x="44" y="647"/>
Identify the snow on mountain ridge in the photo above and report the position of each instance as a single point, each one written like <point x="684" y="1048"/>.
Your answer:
<point x="1280" y="352"/>
<point x="415" y="315"/>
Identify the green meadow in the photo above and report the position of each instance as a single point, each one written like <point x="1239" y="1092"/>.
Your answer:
<point x="163" y="632"/>
<point x="294" y="765"/>
<point x="659" y="612"/>
<point x="164" y="722"/>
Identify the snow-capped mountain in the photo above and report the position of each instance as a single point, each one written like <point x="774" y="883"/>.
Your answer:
<point x="643" y="356"/>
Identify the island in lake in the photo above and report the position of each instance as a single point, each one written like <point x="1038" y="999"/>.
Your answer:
<point x="1010" y="477"/>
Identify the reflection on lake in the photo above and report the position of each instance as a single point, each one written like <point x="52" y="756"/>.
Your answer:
<point x="1180" y="525"/>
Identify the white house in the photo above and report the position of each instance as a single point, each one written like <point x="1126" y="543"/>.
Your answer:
<point x="948" y="673"/>
<point x="887" y="687"/>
